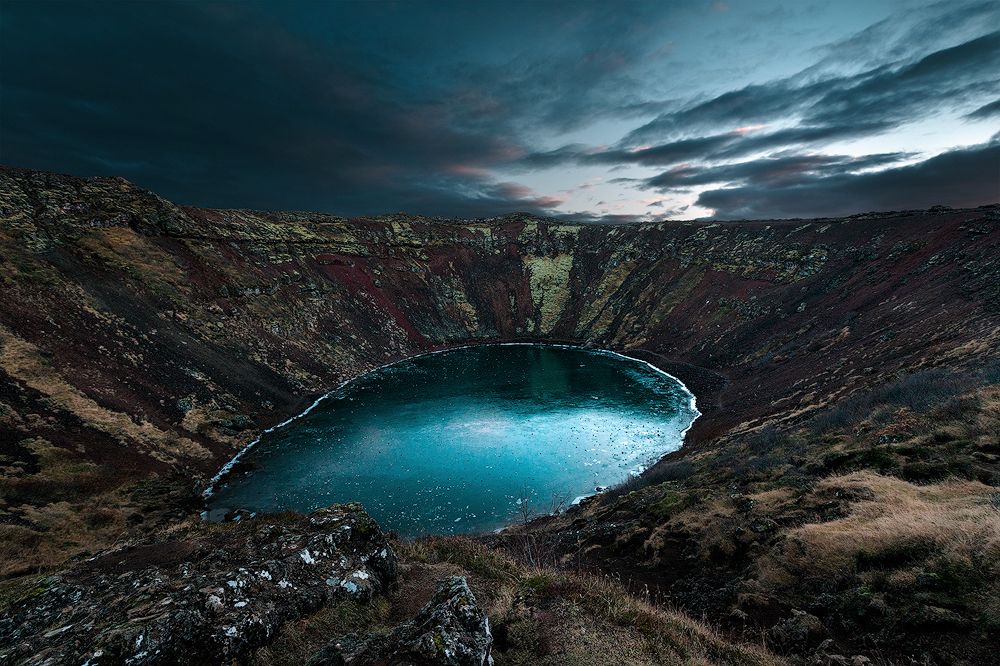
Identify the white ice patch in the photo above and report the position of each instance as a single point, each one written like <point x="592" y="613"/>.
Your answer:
<point x="97" y="654"/>
<point x="60" y="630"/>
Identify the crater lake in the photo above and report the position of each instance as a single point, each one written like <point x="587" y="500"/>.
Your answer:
<point x="466" y="440"/>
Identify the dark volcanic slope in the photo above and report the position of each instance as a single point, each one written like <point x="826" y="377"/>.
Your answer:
<point x="141" y="336"/>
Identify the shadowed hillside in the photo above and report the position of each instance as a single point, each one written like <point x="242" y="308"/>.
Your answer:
<point x="145" y="343"/>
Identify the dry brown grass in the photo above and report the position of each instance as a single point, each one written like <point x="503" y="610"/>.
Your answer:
<point x="300" y="638"/>
<point x="23" y="360"/>
<point x="124" y="249"/>
<point x="905" y="528"/>
<point x="556" y="616"/>
<point x="713" y="519"/>
<point x="61" y="530"/>
<point x="981" y="347"/>
<point x="69" y="507"/>
<point x="674" y="636"/>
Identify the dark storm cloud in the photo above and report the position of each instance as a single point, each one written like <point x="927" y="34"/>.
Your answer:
<point x="986" y="111"/>
<point x="947" y="77"/>
<point x="564" y="66"/>
<point x="210" y="105"/>
<point x="834" y="108"/>
<point x="714" y="147"/>
<point x="967" y="177"/>
<point x="780" y="171"/>
<point x="350" y="107"/>
<point x="934" y="27"/>
<point x="670" y="153"/>
<point x="589" y="217"/>
<point x="823" y="107"/>
<point x="430" y="108"/>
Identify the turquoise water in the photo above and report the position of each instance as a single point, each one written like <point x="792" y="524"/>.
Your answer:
<point x="467" y="440"/>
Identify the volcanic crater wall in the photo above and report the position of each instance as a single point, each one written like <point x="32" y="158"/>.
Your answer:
<point x="147" y="336"/>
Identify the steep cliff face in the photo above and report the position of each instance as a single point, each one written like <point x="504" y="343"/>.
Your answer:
<point x="139" y="336"/>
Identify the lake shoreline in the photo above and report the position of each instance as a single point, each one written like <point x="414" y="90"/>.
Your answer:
<point x="650" y="413"/>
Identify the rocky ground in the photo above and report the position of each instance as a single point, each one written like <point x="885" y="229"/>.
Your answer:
<point x="846" y="370"/>
<point x="209" y="598"/>
<point x="878" y="535"/>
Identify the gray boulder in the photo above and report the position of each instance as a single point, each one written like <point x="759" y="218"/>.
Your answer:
<point x="797" y="632"/>
<point x="451" y="630"/>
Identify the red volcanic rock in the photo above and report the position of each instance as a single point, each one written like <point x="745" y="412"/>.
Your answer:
<point x="151" y="329"/>
<point x="149" y="309"/>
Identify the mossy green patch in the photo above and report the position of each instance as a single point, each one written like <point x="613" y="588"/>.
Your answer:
<point x="670" y="505"/>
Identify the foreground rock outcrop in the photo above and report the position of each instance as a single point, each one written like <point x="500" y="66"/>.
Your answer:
<point x="450" y="630"/>
<point x="203" y="601"/>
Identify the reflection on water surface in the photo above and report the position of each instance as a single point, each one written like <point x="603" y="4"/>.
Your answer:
<point x="454" y="441"/>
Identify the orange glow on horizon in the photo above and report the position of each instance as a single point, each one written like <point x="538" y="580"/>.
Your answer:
<point x="751" y="128"/>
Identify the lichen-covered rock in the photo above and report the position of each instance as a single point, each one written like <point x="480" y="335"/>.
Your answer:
<point x="451" y="630"/>
<point x="204" y="601"/>
<point x="799" y="631"/>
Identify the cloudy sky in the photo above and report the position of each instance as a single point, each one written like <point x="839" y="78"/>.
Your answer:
<point x="596" y="111"/>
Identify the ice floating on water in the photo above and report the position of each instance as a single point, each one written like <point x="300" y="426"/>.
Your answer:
<point x="492" y="456"/>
